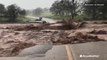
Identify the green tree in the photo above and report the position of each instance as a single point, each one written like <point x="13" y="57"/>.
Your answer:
<point x="95" y="9"/>
<point x="38" y="11"/>
<point x="2" y="10"/>
<point x="56" y="8"/>
<point x="102" y="9"/>
<point x="22" y="12"/>
<point x="65" y="8"/>
<point x="12" y="12"/>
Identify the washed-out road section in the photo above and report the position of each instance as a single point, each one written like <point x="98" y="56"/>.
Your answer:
<point x="85" y="51"/>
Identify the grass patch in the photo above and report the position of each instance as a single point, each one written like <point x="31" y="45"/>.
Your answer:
<point x="23" y="19"/>
<point x="20" y="19"/>
<point x="3" y="20"/>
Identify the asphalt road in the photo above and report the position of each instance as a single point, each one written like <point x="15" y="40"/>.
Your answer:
<point x="90" y="51"/>
<point x="85" y="51"/>
<point x="33" y="18"/>
<point x="42" y="52"/>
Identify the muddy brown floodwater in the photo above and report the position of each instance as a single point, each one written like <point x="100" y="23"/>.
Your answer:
<point x="15" y="37"/>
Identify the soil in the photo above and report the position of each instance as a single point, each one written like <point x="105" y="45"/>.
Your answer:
<point x="15" y="37"/>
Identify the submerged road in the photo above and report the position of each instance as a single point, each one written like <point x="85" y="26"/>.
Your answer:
<point x="85" y="51"/>
<point x="33" y="18"/>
